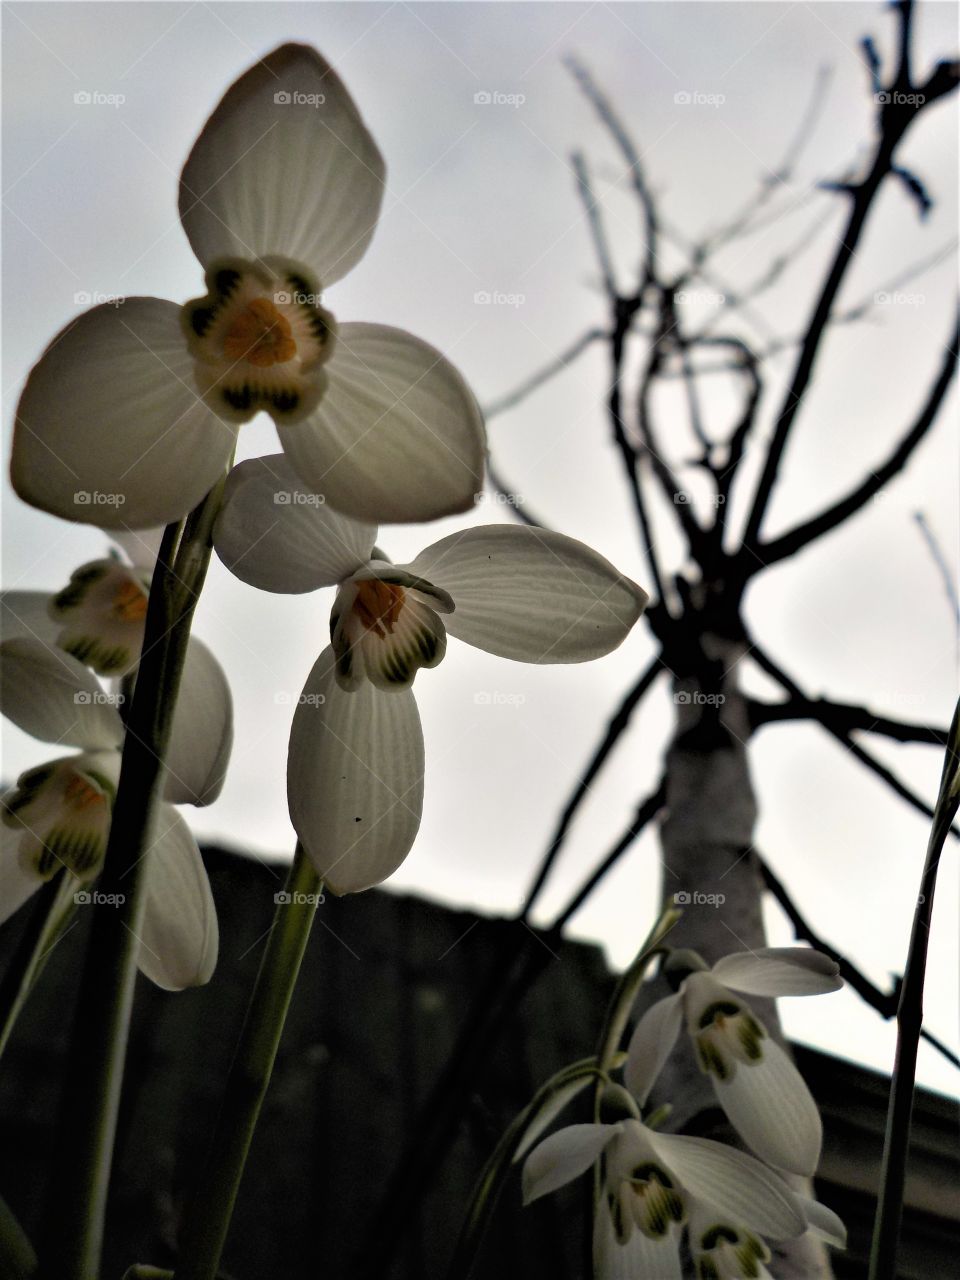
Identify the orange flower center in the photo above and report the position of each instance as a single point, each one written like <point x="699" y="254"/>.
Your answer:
<point x="378" y="605"/>
<point x="81" y="793"/>
<point x="260" y="335"/>
<point x="129" y="602"/>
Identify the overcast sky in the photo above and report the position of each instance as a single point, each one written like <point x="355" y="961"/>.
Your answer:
<point x="481" y="201"/>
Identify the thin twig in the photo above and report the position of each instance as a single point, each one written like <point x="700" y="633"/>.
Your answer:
<point x="512" y="398"/>
<point x="843" y="716"/>
<point x="617" y="726"/>
<point x="883" y="1002"/>
<point x="789" y="543"/>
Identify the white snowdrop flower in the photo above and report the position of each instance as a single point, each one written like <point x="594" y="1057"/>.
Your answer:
<point x="759" y="1088"/>
<point x="132" y="413"/>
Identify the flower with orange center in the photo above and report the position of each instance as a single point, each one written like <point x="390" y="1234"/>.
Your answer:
<point x="355" y="764"/>
<point x="131" y="415"/>
<point x="56" y="820"/>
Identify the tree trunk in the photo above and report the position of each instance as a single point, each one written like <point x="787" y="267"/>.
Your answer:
<point x="710" y="870"/>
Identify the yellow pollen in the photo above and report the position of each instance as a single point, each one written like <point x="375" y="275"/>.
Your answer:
<point x="378" y="605"/>
<point x="129" y="602"/>
<point x="260" y="335"/>
<point x="82" y="794"/>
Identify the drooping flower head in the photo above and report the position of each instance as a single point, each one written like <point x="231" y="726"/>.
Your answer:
<point x="355" y="765"/>
<point x="656" y="1184"/>
<point x="57" y="817"/>
<point x="756" y="1083"/>
<point x="132" y="413"/>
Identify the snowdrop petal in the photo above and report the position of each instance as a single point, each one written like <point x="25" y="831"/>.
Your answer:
<point x="532" y="595"/>
<point x="650" y="1045"/>
<point x="140" y="546"/>
<point x="638" y="1259"/>
<point x="55" y="698"/>
<point x="202" y="732"/>
<point x="564" y="1156"/>
<point x="823" y="1222"/>
<point x="24" y="615"/>
<point x="273" y="533"/>
<point x="16" y="884"/>
<point x="770" y="1106"/>
<point x="110" y="428"/>
<point x="354" y="778"/>
<point x="545" y="1117"/>
<point x="284" y="166"/>
<point x="779" y="971"/>
<point x="736" y="1184"/>
<point x="397" y="436"/>
<point x="180" y="935"/>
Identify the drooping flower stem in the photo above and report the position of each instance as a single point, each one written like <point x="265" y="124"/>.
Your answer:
<point x="77" y="1195"/>
<point x="208" y="1214"/>
<point x="545" y="1105"/>
<point x="625" y="995"/>
<point x="886" y="1231"/>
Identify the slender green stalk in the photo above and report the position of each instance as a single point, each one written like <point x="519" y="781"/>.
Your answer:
<point x="51" y="913"/>
<point x="886" y="1231"/>
<point x="208" y="1214"/>
<point x="77" y="1196"/>
<point x="544" y="1107"/>
<point x="625" y="995"/>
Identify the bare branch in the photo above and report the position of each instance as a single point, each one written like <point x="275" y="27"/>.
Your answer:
<point x="645" y="814"/>
<point x="842" y="716"/>
<point x="614" y="731"/>
<point x="595" y="222"/>
<point x="743" y="222"/>
<point x="940" y="560"/>
<point x="903" y="105"/>
<point x="631" y="155"/>
<point x="884" y="1002"/>
<point x="766" y="663"/>
<point x="536" y="380"/>
<point x="519" y="509"/>
<point x="790" y="543"/>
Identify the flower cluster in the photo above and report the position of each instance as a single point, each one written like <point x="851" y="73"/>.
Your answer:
<point x="142" y="406"/>
<point x="656" y="1185"/>
<point x="58" y="815"/>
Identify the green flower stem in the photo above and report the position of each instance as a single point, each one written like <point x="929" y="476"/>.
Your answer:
<point x="51" y="913"/>
<point x="77" y="1196"/>
<point x="207" y="1216"/>
<point x="625" y="995"/>
<point x="886" y="1232"/>
<point x="561" y="1088"/>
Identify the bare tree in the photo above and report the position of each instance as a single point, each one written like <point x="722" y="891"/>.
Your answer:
<point x="706" y="799"/>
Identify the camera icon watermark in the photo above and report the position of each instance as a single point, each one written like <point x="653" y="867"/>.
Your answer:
<point x="94" y="898"/>
<point x="94" y="98"/>
<point x="697" y="698"/>
<point x="898" y="99"/>
<point x="296" y="498"/>
<point x="98" y="698"/>
<point x="284" y="698"/>
<point x="694" y="898"/>
<point x="494" y="98"/>
<point x="498" y="298"/>
<point x="283" y="898"/>
<point x="694" y="98"/>
<point x="294" y="98"/>
<point x="93" y="298"/>
<point x="86" y="498"/>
